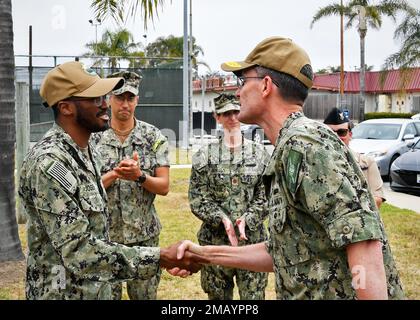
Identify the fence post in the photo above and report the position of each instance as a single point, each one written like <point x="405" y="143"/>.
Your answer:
<point x="22" y="140"/>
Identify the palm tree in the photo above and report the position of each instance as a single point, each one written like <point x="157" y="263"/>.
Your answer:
<point x="173" y="47"/>
<point x="370" y="14"/>
<point x="119" y="10"/>
<point x="409" y="33"/>
<point x="118" y="45"/>
<point x="10" y="248"/>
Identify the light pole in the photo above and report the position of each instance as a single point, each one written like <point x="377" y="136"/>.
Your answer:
<point x="96" y="24"/>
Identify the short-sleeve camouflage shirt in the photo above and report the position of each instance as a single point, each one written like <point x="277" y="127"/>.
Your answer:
<point x="229" y="184"/>
<point x="319" y="203"/>
<point x="133" y="215"/>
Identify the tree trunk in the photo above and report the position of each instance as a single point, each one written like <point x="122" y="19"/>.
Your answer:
<point x="10" y="248"/>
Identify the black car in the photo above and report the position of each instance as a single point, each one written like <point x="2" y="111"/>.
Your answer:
<point x="405" y="171"/>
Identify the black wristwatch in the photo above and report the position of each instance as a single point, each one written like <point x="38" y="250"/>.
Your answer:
<point x="142" y="178"/>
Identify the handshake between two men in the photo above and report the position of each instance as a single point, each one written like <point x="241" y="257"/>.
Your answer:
<point x="185" y="257"/>
<point x="182" y="258"/>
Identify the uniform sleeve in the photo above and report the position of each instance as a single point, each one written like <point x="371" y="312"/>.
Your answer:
<point x="257" y="211"/>
<point x="374" y="180"/>
<point x="68" y="229"/>
<point x="202" y="204"/>
<point x="330" y="186"/>
<point x="161" y="148"/>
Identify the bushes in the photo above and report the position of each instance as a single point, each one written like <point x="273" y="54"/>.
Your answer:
<point x="381" y="115"/>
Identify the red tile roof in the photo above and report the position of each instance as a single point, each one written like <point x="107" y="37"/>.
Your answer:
<point x="372" y="84"/>
<point x="331" y="82"/>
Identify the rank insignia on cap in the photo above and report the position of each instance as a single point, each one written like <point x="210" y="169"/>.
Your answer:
<point x="63" y="176"/>
<point x="233" y="64"/>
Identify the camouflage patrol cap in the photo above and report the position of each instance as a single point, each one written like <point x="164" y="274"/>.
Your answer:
<point x="73" y="79"/>
<point x="336" y="116"/>
<point x="226" y="102"/>
<point x="279" y="54"/>
<point x="132" y="82"/>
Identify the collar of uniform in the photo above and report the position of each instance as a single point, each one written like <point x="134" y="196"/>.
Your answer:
<point x="65" y="137"/>
<point x="109" y="137"/>
<point x="288" y="122"/>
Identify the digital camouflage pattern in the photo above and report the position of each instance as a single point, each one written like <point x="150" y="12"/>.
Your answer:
<point x="131" y="82"/>
<point x="319" y="203"/>
<point x="225" y="184"/>
<point x="70" y="255"/>
<point x="141" y="289"/>
<point x="226" y="102"/>
<point x="133" y="216"/>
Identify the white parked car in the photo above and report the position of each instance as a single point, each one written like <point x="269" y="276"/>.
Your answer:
<point x="385" y="139"/>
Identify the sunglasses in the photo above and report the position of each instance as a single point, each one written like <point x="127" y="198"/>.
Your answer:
<point x="342" y="132"/>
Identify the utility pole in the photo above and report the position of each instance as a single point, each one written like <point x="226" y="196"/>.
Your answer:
<point x="185" y="118"/>
<point x="341" y="55"/>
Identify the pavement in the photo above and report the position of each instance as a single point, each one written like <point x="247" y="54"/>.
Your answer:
<point x="401" y="200"/>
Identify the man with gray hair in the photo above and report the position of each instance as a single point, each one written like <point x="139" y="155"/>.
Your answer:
<point x="327" y="239"/>
<point x="134" y="168"/>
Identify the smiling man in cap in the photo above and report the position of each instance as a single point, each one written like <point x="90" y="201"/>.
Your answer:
<point x="69" y="252"/>
<point x="327" y="240"/>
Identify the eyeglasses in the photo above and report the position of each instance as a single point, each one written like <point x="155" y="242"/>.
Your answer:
<point x="97" y="101"/>
<point x="241" y="80"/>
<point x="342" y="132"/>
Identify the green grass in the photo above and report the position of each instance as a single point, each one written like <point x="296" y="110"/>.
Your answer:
<point x="402" y="226"/>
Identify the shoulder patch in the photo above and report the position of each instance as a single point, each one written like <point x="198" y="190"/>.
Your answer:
<point x="157" y="144"/>
<point x="294" y="162"/>
<point x="63" y="176"/>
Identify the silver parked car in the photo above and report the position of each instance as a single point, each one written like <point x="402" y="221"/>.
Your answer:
<point x="385" y="139"/>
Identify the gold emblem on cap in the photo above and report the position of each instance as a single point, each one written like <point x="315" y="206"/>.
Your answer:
<point x="341" y="116"/>
<point x="233" y="64"/>
<point x="89" y="71"/>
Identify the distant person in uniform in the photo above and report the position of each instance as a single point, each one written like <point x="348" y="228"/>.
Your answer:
<point x="226" y="192"/>
<point x="327" y="239"/>
<point x="134" y="168"/>
<point x="342" y="126"/>
<point x="70" y="255"/>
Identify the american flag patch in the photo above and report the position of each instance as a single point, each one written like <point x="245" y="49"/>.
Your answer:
<point x="63" y="176"/>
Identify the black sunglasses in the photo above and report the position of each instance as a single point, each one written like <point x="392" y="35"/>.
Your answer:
<point x="342" y="132"/>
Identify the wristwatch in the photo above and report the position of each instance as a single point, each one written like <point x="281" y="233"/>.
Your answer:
<point x="142" y="178"/>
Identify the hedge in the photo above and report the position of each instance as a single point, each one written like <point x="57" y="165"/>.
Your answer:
<point x="381" y="115"/>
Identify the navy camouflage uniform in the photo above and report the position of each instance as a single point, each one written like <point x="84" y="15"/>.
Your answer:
<point x="319" y="203"/>
<point x="226" y="184"/>
<point x="70" y="255"/>
<point x="133" y="217"/>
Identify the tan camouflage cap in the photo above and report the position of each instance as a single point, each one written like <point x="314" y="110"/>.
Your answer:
<point x="279" y="54"/>
<point x="73" y="79"/>
<point x="132" y="82"/>
<point x="226" y="102"/>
